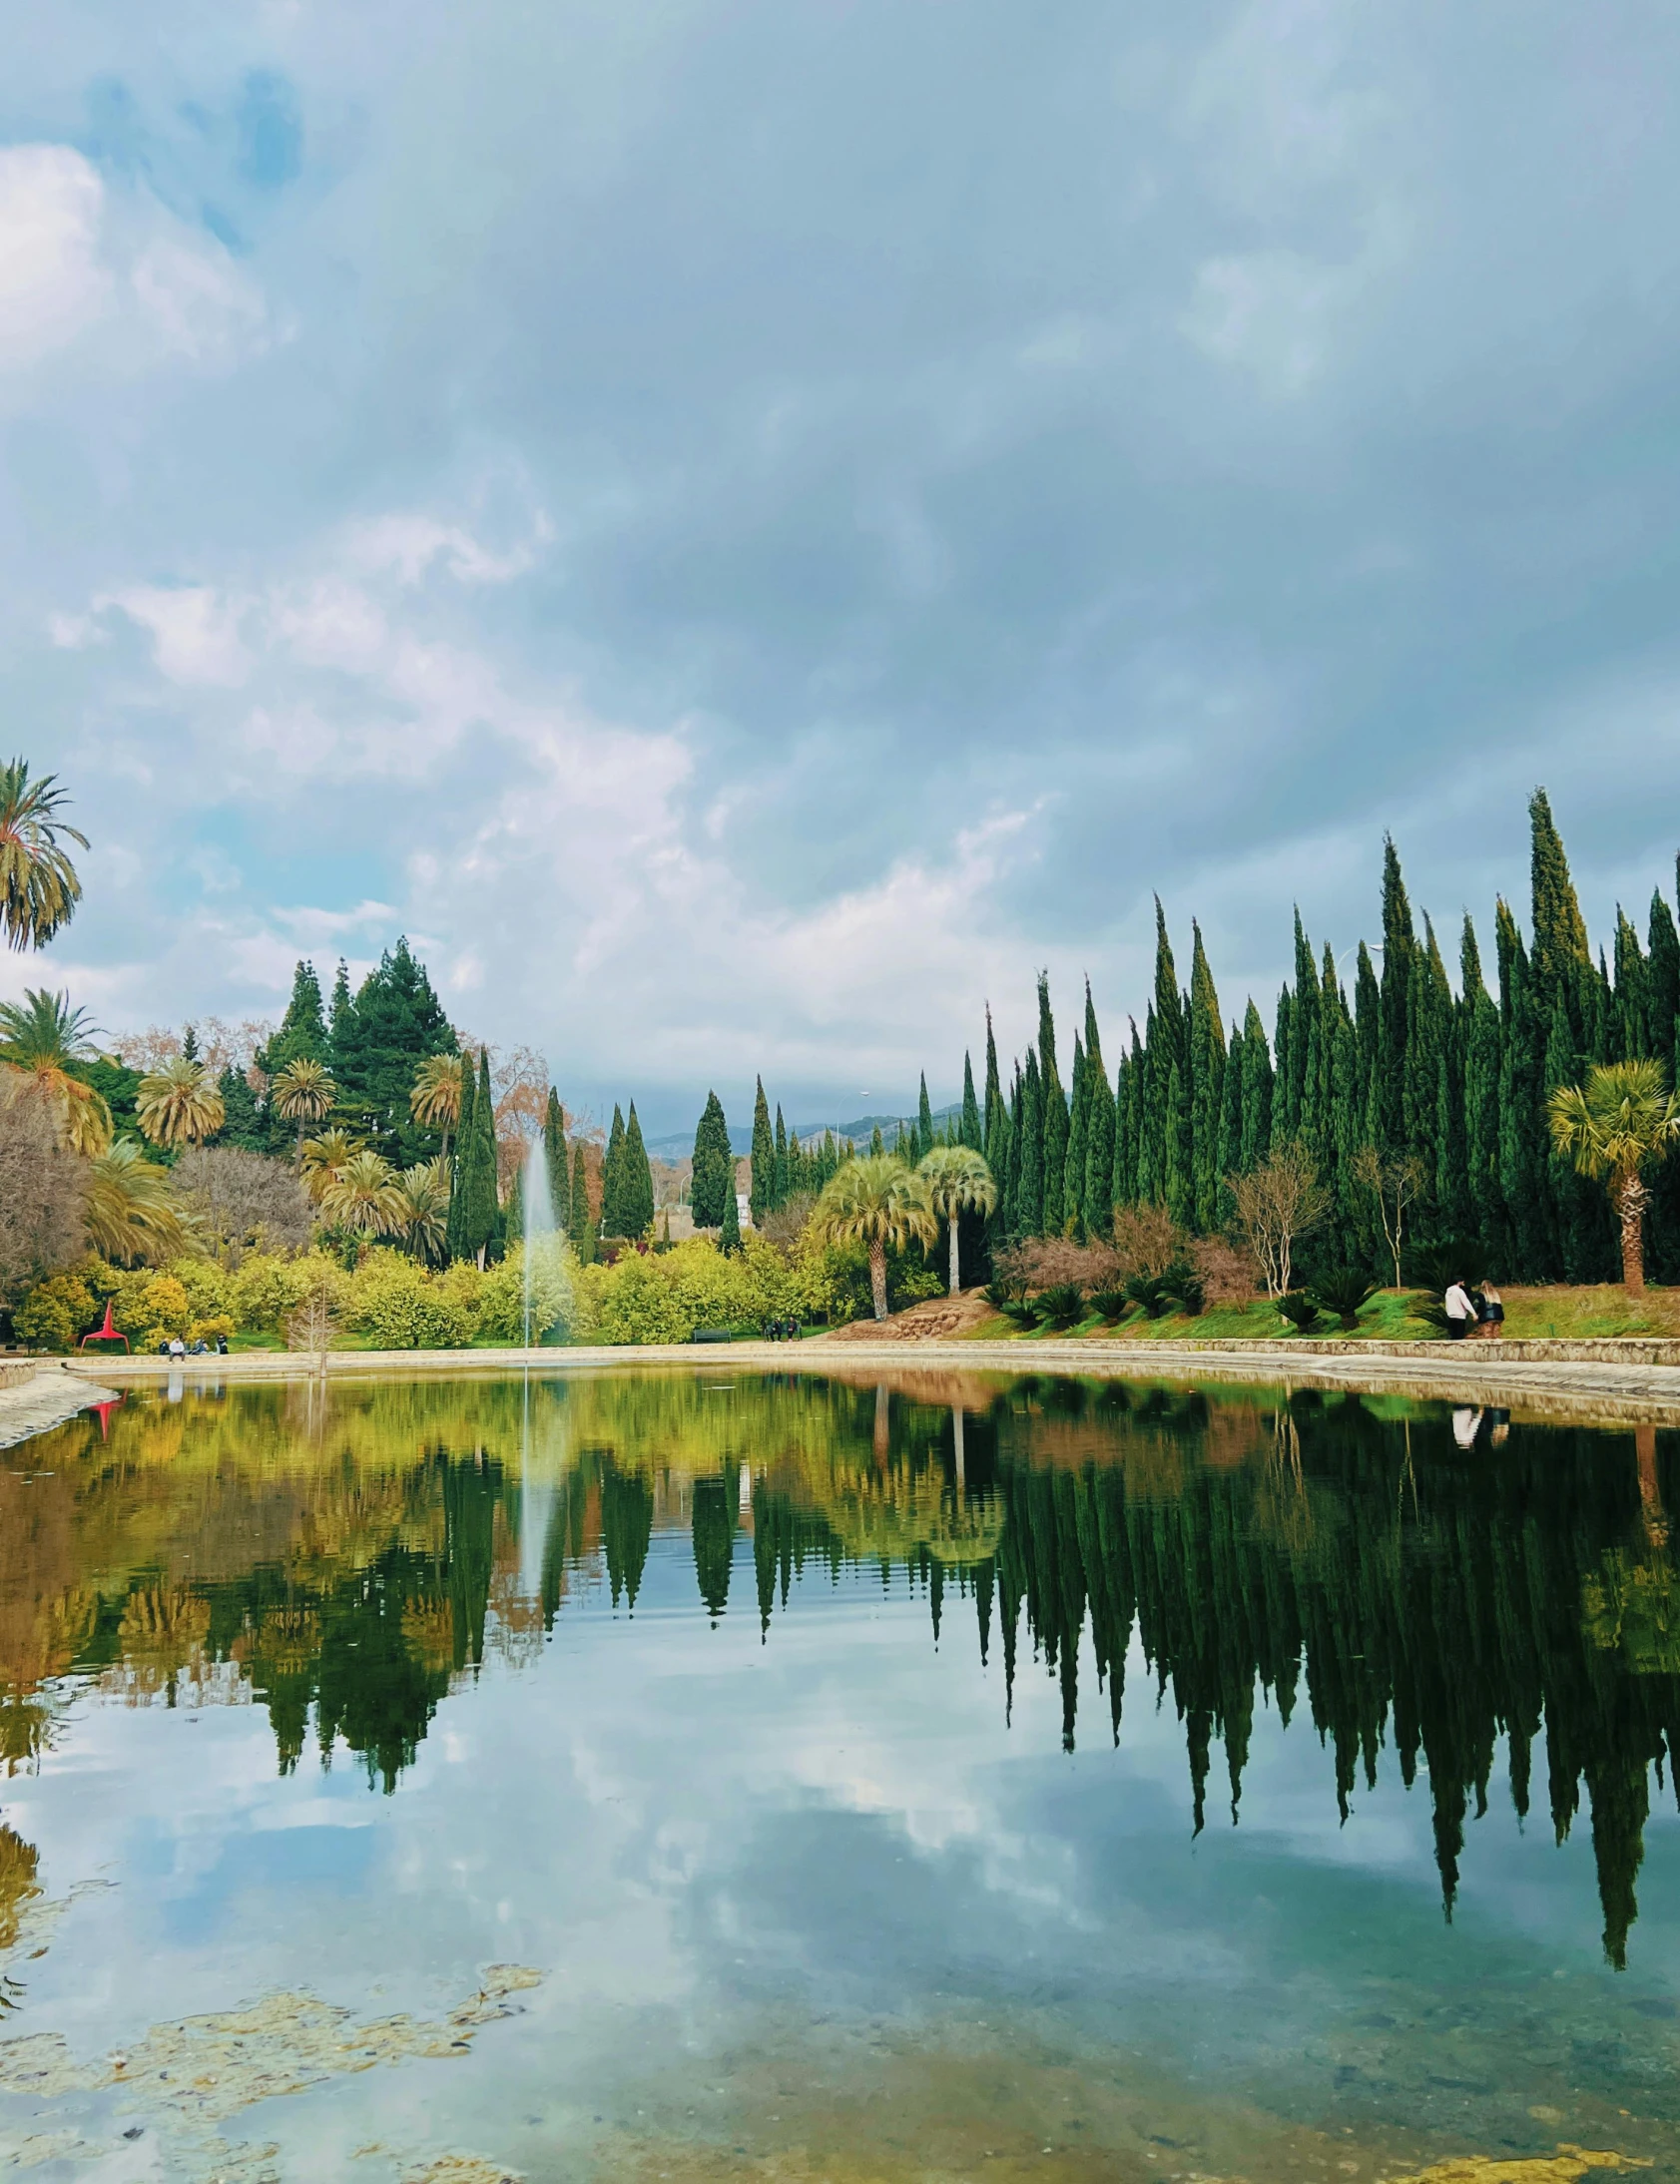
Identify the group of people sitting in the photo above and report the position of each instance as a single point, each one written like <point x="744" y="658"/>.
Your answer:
<point x="1473" y="1312"/>
<point x="176" y="1348"/>
<point x="782" y="1331"/>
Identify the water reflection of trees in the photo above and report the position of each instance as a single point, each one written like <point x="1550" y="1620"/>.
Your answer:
<point x="348" y="1556"/>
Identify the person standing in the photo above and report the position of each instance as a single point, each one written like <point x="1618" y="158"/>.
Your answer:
<point x="1461" y="1312"/>
<point x="1490" y="1313"/>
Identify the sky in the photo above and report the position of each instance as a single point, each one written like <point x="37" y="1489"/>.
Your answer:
<point x="748" y="530"/>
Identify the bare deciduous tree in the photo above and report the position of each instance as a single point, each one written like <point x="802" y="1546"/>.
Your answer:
<point x="42" y="1188"/>
<point x="1148" y="1240"/>
<point x="243" y="1201"/>
<point x="1396" y="1181"/>
<point x="1278" y="1204"/>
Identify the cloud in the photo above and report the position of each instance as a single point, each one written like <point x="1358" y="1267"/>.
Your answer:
<point x="113" y="281"/>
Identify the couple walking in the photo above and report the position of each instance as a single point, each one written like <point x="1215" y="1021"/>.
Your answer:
<point x="1483" y="1314"/>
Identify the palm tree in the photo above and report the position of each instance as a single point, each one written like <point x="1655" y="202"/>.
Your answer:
<point x="877" y="1201"/>
<point x="426" y="1215"/>
<point x="364" y="1195"/>
<point x="129" y="1210"/>
<point x="45" y="1037"/>
<point x="39" y="889"/>
<point x="303" y="1093"/>
<point x="959" y="1182"/>
<point x="179" y="1104"/>
<point x="1623" y="1117"/>
<point x="321" y="1159"/>
<point x="435" y="1101"/>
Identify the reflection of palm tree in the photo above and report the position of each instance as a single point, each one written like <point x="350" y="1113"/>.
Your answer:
<point x="1623" y="1118"/>
<point x="959" y="1182"/>
<point x="179" y="1104"/>
<point x="435" y="1101"/>
<point x="39" y="889"/>
<point x="45" y="1037"/>
<point x="364" y="1195"/>
<point x="303" y="1093"/>
<point x="876" y="1202"/>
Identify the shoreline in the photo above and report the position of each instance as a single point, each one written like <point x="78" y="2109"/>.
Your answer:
<point x="1616" y="1382"/>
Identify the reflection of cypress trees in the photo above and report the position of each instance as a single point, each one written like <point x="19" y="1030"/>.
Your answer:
<point x="626" y="1529"/>
<point x="713" y="1540"/>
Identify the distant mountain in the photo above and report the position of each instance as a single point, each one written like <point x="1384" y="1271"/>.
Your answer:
<point x="680" y="1144"/>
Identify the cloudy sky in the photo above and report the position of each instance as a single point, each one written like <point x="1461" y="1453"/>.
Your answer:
<point x="747" y="528"/>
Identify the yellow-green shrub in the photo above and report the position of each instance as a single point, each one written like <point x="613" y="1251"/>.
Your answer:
<point x="632" y="1302"/>
<point x="664" y="1296"/>
<point x="55" y="1312"/>
<point x="393" y="1301"/>
<point x="152" y="1308"/>
<point x="500" y="1306"/>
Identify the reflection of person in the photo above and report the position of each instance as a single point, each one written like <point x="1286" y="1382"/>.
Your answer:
<point x="1490" y="1313"/>
<point x="1465" y="1426"/>
<point x="1460" y="1312"/>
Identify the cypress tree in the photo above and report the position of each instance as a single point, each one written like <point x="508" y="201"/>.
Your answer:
<point x="1662" y="1249"/>
<point x="1400" y="943"/>
<point x="612" y="1179"/>
<point x="783" y="1171"/>
<point x="1257" y="1092"/>
<point x="1030" y="1188"/>
<point x="713" y="1165"/>
<point x="878" y="1144"/>
<point x="1522" y="1178"/>
<point x="1286" y="1112"/>
<point x="1230" y="1125"/>
<point x="481" y="1205"/>
<point x="1207" y="1086"/>
<point x="557" y="1165"/>
<point x="728" y="1231"/>
<point x="513" y="1215"/>
<point x="923" y="1122"/>
<point x="339" y="1017"/>
<point x="453" y="1229"/>
<point x="1052" y="1119"/>
<point x="1165" y="1150"/>
<point x="1343" y="1120"/>
<point x="1077" y="1135"/>
<point x="1098" y="1207"/>
<point x="1632" y="997"/>
<point x="971" y="1132"/>
<point x="636" y="1191"/>
<point x="763" y="1158"/>
<point x="1128" y="1124"/>
<point x="583" y="1217"/>
<point x="1559" y="954"/>
<point x="1367" y="1037"/>
<point x="1482" y="1043"/>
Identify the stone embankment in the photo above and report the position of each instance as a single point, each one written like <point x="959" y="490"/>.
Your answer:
<point x="1610" y="1381"/>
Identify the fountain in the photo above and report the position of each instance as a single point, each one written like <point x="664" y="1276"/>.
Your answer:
<point x="540" y="1248"/>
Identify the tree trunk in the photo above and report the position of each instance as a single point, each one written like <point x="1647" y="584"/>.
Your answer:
<point x="877" y="1278"/>
<point x="956" y="1271"/>
<point x="883" y="1425"/>
<point x="1651" y="1490"/>
<point x="1630" y="1204"/>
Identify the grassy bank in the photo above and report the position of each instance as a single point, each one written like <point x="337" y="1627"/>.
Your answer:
<point x="1541" y="1313"/>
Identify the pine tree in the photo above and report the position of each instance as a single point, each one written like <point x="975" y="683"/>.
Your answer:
<point x="190" y="1044"/>
<point x="713" y="1165"/>
<point x="242" y="1126"/>
<point x="339" y="1014"/>
<point x="556" y="1163"/>
<point x="378" y="1041"/>
<point x="302" y="1034"/>
<point x="636" y="1191"/>
<point x="972" y="1136"/>
<point x="1052" y="1121"/>
<point x="612" y="1179"/>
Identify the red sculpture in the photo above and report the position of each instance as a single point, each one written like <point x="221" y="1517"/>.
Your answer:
<point x="106" y="1331"/>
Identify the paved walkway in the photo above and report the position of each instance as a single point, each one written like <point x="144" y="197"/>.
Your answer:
<point x="1622" y="1387"/>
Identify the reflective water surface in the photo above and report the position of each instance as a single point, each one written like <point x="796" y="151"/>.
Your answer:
<point x="698" y="1776"/>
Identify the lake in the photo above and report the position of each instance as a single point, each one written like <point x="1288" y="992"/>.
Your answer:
<point x="708" y="1774"/>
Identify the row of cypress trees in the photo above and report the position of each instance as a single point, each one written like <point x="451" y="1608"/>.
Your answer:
<point x="1400" y="1061"/>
